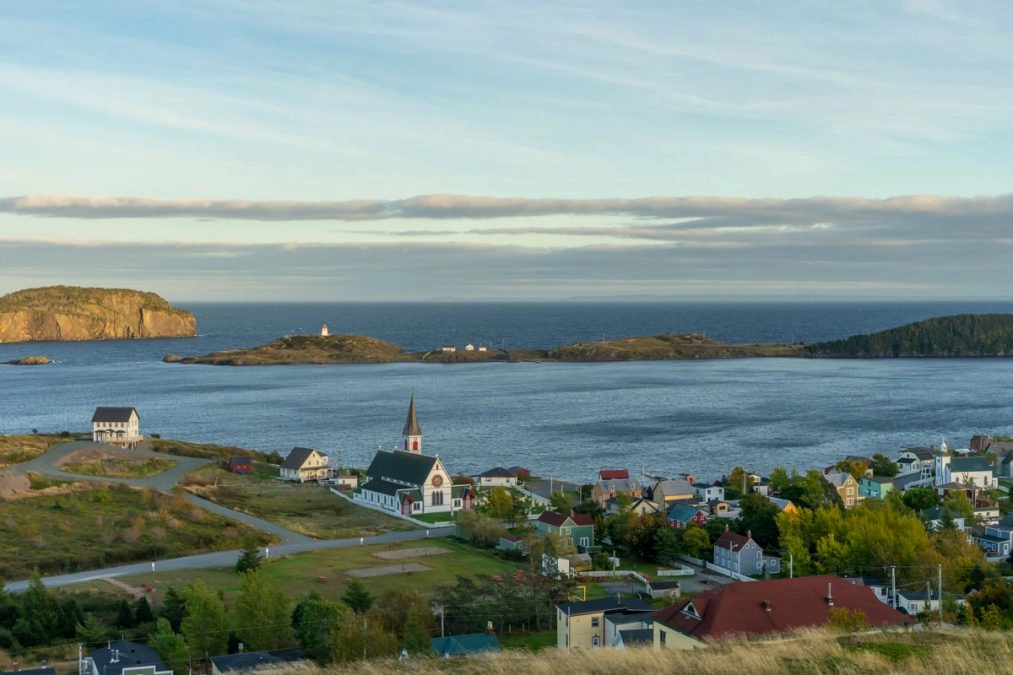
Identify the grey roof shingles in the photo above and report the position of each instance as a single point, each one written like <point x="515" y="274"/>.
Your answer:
<point x="108" y="414"/>
<point x="969" y="464"/>
<point x="127" y="655"/>
<point x="402" y="467"/>
<point x="411" y="425"/>
<point x="604" y="605"/>
<point x="297" y="458"/>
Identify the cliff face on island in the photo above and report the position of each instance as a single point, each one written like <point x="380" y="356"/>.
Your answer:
<point x="71" y="313"/>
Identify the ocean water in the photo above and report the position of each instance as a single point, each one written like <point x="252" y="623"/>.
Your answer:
<point x="567" y="420"/>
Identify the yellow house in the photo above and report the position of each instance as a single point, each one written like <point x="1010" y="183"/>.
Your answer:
<point x="581" y="625"/>
<point x="846" y="486"/>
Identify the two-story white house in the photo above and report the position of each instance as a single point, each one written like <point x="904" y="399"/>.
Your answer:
<point x="706" y="493"/>
<point x="303" y="464"/>
<point x="971" y="472"/>
<point x="119" y="426"/>
<point x="919" y="461"/>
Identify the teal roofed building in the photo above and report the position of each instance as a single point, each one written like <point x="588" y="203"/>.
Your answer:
<point x="466" y="645"/>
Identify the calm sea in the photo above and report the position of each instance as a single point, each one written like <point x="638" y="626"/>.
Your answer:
<point x="565" y="419"/>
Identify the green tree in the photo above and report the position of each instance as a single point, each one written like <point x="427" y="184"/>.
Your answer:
<point x="356" y="640"/>
<point x="170" y="647"/>
<point x="142" y="611"/>
<point x="318" y="621"/>
<point x="696" y="542"/>
<point x="91" y="631"/>
<point x="357" y="597"/>
<point x="39" y="604"/>
<point x="262" y="614"/>
<point x="759" y="517"/>
<point x="921" y="498"/>
<point x="124" y="615"/>
<point x="250" y="558"/>
<point x="500" y="504"/>
<point x="779" y="479"/>
<point x="738" y="480"/>
<point x="205" y="627"/>
<point x="884" y="466"/>
<point x="856" y="468"/>
<point x="560" y="502"/>
<point x="173" y="608"/>
<point x="417" y="636"/>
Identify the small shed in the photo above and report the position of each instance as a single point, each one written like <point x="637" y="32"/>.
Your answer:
<point x="241" y="465"/>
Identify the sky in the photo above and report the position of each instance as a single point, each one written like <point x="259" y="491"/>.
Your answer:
<point x="317" y="150"/>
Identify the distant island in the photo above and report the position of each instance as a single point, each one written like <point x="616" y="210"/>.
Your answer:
<point x="71" y="313"/>
<point x="965" y="335"/>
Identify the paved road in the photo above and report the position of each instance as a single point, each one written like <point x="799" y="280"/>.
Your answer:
<point x="228" y="558"/>
<point x="48" y="464"/>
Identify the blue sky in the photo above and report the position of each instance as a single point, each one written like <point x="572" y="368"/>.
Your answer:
<point x="322" y="150"/>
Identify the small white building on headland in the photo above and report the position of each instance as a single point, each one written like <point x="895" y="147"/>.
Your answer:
<point x="324" y="332"/>
<point x="119" y="426"/>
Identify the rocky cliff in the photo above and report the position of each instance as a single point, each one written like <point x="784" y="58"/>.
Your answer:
<point x="71" y="313"/>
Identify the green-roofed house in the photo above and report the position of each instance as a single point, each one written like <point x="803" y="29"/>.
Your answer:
<point x="410" y="483"/>
<point x="466" y="645"/>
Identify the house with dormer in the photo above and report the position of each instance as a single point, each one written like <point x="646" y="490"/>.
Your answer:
<point x="609" y="488"/>
<point x="411" y="483"/>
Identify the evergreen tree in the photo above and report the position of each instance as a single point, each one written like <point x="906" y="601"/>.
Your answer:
<point x="356" y="640"/>
<point x="250" y="558"/>
<point x="173" y="608"/>
<point x="357" y="597"/>
<point x="142" y="611"/>
<point x="318" y="621"/>
<point x="91" y="631"/>
<point x="124" y="615"/>
<point x="417" y="638"/>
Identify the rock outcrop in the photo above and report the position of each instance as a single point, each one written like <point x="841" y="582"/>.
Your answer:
<point x="71" y="313"/>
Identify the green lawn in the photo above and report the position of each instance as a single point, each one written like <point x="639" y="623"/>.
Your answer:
<point x="325" y="572"/>
<point x="115" y="465"/>
<point x="305" y="508"/>
<point x="533" y="642"/>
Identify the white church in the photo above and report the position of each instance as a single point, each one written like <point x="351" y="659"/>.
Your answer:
<point x="410" y="483"/>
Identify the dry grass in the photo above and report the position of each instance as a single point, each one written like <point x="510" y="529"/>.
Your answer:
<point x="108" y="464"/>
<point x="813" y="653"/>
<point x="22" y="448"/>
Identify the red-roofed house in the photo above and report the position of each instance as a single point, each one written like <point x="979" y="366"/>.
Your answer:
<point x="614" y="474"/>
<point x="764" y="608"/>
<point x="576" y="529"/>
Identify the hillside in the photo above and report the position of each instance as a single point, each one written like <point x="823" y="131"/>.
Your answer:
<point x="296" y="349"/>
<point x="665" y="347"/>
<point x="71" y="313"/>
<point x="962" y="335"/>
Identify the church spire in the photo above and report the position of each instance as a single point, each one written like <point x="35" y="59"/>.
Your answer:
<point x="412" y="433"/>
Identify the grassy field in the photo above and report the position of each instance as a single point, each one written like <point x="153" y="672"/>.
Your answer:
<point x="811" y="653"/>
<point x="88" y="527"/>
<point x="115" y="465"/>
<point x="21" y="448"/>
<point x="305" y="508"/>
<point x="326" y="572"/>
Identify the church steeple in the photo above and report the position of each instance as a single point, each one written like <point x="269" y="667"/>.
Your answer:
<point x="412" y="433"/>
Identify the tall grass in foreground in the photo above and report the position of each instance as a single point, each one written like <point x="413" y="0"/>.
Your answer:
<point x="812" y="652"/>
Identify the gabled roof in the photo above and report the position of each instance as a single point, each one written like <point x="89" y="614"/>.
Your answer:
<point x="901" y="482"/>
<point x="103" y="414"/>
<point x="245" y="662"/>
<point x="126" y="655"/>
<point x="411" y="425"/>
<point x="838" y="478"/>
<point x="239" y="460"/>
<point x="606" y="605"/>
<point x="684" y="512"/>
<point x="677" y="486"/>
<point x="296" y="458"/>
<point x="406" y="467"/>
<point x="618" y="484"/>
<point x="781" y="503"/>
<point x="558" y="519"/>
<point x="462" y="645"/>
<point x="773" y="606"/>
<point x="969" y="464"/>
<point x="498" y="472"/>
<point x="611" y="474"/>
<point x="729" y="539"/>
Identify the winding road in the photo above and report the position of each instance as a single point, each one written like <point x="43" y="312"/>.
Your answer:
<point x="48" y="465"/>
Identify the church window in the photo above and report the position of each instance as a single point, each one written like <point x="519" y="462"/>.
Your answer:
<point x="438" y="498"/>
<point x="415" y="445"/>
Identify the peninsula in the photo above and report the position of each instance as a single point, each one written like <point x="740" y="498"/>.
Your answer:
<point x="964" y="335"/>
<point x="71" y="313"/>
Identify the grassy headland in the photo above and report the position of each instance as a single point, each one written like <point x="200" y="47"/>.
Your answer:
<point x="951" y="336"/>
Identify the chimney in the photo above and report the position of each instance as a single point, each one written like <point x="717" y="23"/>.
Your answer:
<point x="242" y="648"/>
<point x="830" y="594"/>
<point x="488" y="629"/>
<point x="115" y="656"/>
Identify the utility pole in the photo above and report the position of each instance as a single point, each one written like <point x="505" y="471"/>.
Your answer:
<point x="893" y="586"/>
<point x="940" y="581"/>
<point x="791" y="565"/>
